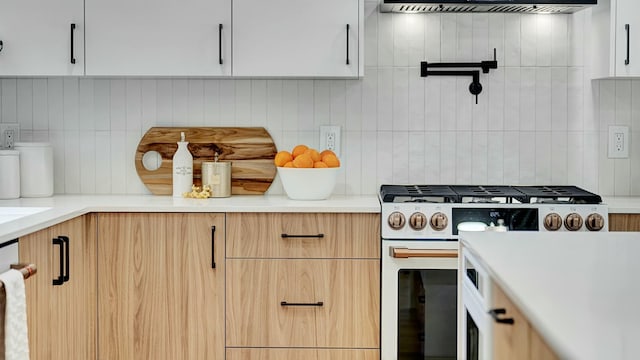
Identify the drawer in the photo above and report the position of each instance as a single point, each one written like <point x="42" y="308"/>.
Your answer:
<point x="307" y="354"/>
<point x="348" y="290"/>
<point x="303" y="235"/>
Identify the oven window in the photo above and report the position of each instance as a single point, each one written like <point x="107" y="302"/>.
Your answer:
<point x="427" y="324"/>
<point x="473" y="339"/>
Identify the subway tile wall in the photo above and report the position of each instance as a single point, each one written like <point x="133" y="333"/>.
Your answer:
<point x="539" y="119"/>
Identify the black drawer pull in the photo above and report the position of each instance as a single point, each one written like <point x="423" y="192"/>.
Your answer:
<point x="626" y="27"/>
<point x="213" y="246"/>
<point x="284" y="303"/>
<point x="285" y="236"/>
<point x="73" y="29"/>
<point x="494" y="314"/>
<point x="60" y="279"/>
<point x="220" y="44"/>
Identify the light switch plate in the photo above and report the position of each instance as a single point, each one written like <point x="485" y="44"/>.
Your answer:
<point x="330" y="138"/>
<point x="618" y="142"/>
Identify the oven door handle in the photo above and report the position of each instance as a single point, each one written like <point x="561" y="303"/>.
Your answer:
<point x="405" y="253"/>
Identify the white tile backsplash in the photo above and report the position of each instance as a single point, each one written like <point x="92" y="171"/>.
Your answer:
<point x="540" y="119"/>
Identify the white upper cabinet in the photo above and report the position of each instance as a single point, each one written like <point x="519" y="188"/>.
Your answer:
<point x="41" y="37"/>
<point x="303" y="38"/>
<point x="616" y="39"/>
<point x="158" y="38"/>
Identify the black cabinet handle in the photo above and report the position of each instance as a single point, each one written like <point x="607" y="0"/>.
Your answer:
<point x="626" y="27"/>
<point x="65" y="240"/>
<point x="1" y="45"/>
<point x="220" y="43"/>
<point x="347" y="44"/>
<point x="213" y="247"/>
<point x="494" y="314"/>
<point x="285" y="236"/>
<point x="60" y="279"/>
<point x="73" y="28"/>
<point x="284" y="303"/>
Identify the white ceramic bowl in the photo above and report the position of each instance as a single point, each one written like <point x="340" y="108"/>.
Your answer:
<point x="308" y="184"/>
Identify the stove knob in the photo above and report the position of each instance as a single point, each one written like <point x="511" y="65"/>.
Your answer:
<point x="418" y="221"/>
<point x="396" y="220"/>
<point x="594" y="222"/>
<point x="439" y="221"/>
<point x="552" y="222"/>
<point x="573" y="222"/>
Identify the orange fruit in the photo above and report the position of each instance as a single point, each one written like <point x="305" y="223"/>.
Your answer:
<point x="327" y="151"/>
<point x="289" y="164"/>
<point x="315" y="155"/>
<point x="303" y="161"/>
<point x="282" y="157"/>
<point x="299" y="150"/>
<point x="320" y="164"/>
<point x="331" y="160"/>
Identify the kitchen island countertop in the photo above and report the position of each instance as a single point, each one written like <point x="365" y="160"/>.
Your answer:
<point x="578" y="290"/>
<point x="59" y="208"/>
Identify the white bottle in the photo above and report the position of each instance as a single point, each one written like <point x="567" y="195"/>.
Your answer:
<point x="182" y="168"/>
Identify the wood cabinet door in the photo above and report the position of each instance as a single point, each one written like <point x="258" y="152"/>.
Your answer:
<point x="158" y="295"/>
<point x="510" y="341"/>
<point x="36" y="37"/>
<point x="313" y="42"/>
<point x="329" y="303"/>
<point x="627" y="44"/>
<point x="161" y="37"/>
<point x="303" y="235"/>
<point x="62" y="318"/>
<point x="624" y="222"/>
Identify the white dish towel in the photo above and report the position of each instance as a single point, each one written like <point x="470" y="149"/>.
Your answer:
<point x="16" y="339"/>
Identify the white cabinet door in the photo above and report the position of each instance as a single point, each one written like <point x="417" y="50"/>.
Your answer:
<point x="296" y="38"/>
<point x="160" y="37"/>
<point x="627" y="30"/>
<point x="36" y="37"/>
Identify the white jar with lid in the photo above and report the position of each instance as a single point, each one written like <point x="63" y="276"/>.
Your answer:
<point x="36" y="169"/>
<point x="9" y="174"/>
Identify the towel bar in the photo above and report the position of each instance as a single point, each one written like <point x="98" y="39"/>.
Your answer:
<point x="27" y="271"/>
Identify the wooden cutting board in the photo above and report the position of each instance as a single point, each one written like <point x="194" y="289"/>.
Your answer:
<point x="250" y="149"/>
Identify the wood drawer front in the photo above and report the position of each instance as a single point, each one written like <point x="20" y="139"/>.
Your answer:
<point x="345" y="235"/>
<point x="348" y="318"/>
<point x="306" y="354"/>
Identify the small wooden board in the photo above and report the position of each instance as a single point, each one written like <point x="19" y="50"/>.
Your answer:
<point x="251" y="151"/>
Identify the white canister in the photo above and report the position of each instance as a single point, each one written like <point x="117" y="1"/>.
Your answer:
<point x="9" y="174"/>
<point x="36" y="169"/>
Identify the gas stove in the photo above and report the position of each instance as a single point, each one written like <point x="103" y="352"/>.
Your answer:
<point x="434" y="212"/>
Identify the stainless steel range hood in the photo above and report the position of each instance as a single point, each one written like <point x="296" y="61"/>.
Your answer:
<point x="490" y="6"/>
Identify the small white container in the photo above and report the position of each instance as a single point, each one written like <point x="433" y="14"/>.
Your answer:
<point x="36" y="169"/>
<point x="9" y="174"/>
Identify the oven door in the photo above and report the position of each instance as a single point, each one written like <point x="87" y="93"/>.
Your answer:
<point x="419" y="300"/>
<point x="475" y="336"/>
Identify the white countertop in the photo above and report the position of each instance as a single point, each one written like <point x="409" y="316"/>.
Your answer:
<point x="580" y="291"/>
<point x="65" y="207"/>
<point x="622" y="204"/>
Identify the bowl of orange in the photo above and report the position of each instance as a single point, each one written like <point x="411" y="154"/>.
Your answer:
<point x="306" y="173"/>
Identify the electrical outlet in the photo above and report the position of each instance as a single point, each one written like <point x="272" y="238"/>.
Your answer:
<point x="9" y="135"/>
<point x="618" y="142"/>
<point x="330" y="138"/>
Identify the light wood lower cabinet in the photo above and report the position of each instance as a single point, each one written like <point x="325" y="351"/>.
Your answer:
<point x="158" y="295"/>
<point x="518" y="340"/>
<point x="306" y="354"/>
<point x="303" y="286"/>
<point x="303" y="303"/>
<point x="61" y="318"/>
<point x="624" y="222"/>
